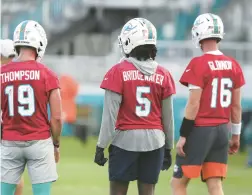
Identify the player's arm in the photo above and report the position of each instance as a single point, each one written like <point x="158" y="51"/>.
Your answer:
<point x="236" y="113"/>
<point x="53" y="91"/>
<point x="112" y="102"/>
<point x="236" y="108"/>
<point x="113" y="85"/>
<point x="111" y="107"/>
<point x="168" y="122"/>
<point x="193" y="77"/>
<point x="193" y="103"/>
<point x="191" y="110"/>
<point x="168" y="119"/>
<point x="56" y="115"/>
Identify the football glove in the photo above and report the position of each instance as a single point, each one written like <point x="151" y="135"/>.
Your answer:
<point x="167" y="160"/>
<point x="99" y="156"/>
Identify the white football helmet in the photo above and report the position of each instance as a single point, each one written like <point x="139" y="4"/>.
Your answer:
<point x="207" y="26"/>
<point x="31" y="33"/>
<point x="7" y="48"/>
<point x="137" y="31"/>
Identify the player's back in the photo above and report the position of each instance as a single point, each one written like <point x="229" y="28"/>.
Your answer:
<point x="218" y="75"/>
<point x="142" y="97"/>
<point x="25" y="89"/>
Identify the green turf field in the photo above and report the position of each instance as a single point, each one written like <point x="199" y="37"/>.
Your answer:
<point x="78" y="175"/>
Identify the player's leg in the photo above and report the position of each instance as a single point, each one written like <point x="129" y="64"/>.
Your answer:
<point x="145" y="188"/>
<point x="12" y="166"/>
<point x="7" y="188"/>
<point x="179" y="182"/>
<point x="20" y="187"/>
<point x="122" y="169"/>
<point x="214" y="186"/>
<point x="215" y="166"/>
<point x="149" y="166"/>
<point x="119" y="187"/>
<point x="42" y="188"/>
<point x="41" y="165"/>
<point x="197" y="146"/>
<point x="179" y="185"/>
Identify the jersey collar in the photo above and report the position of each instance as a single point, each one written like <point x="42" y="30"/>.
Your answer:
<point x="216" y="52"/>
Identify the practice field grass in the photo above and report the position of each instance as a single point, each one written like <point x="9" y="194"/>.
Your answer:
<point x="80" y="176"/>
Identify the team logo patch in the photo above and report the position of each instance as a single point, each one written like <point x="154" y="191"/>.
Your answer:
<point x="198" y="22"/>
<point x="129" y="28"/>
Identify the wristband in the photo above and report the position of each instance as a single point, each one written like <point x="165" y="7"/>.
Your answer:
<point x="56" y="145"/>
<point x="186" y="127"/>
<point x="236" y="128"/>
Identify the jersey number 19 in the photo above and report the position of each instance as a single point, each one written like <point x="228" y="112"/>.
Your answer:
<point x="25" y="98"/>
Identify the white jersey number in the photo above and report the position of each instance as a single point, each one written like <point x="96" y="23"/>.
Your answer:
<point x="225" y="92"/>
<point x="25" y="97"/>
<point x="144" y="107"/>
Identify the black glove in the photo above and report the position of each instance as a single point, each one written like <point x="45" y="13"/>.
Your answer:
<point x="167" y="160"/>
<point x="99" y="156"/>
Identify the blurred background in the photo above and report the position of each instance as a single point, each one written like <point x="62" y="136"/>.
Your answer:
<point x="82" y="46"/>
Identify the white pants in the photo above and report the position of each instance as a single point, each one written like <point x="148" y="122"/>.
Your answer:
<point x="37" y="155"/>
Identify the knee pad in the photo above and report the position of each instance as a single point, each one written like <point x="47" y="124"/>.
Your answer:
<point x="42" y="188"/>
<point x="7" y="188"/>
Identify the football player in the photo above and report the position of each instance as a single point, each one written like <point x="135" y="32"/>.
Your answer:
<point x="7" y="51"/>
<point x="27" y="86"/>
<point x="214" y="81"/>
<point x="137" y="113"/>
<point x="7" y="55"/>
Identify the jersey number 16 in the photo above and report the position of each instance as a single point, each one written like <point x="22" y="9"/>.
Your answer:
<point x="225" y="92"/>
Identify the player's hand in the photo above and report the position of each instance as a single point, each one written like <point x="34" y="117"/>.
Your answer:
<point x="99" y="156"/>
<point x="180" y="146"/>
<point x="56" y="154"/>
<point x="167" y="160"/>
<point x="234" y="144"/>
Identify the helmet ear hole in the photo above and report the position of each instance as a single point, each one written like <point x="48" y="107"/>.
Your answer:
<point x="127" y="42"/>
<point x="197" y="34"/>
<point x="41" y="44"/>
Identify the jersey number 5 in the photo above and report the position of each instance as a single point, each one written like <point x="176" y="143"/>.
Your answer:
<point x="144" y="107"/>
<point x="25" y="99"/>
<point x="225" y="92"/>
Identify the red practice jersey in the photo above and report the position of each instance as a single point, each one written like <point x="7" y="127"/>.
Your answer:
<point x="25" y="88"/>
<point x="218" y="76"/>
<point x="142" y="95"/>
